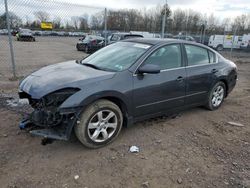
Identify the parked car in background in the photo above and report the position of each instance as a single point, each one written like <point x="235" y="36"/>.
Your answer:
<point x="184" y="37"/>
<point x="245" y="43"/>
<point x="115" y="37"/>
<point x="123" y="83"/>
<point x="220" y="42"/>
<point x="25" y="35"/>
<point x="90" y="43"/>
<point x="3" y="32"/>
<point x="199" y="39"/>
<point x="168" y="35"/>
<point x="37" y="33"/>
<point x="145" y="34"/>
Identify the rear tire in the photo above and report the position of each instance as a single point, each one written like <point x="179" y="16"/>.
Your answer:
<point x="99" y="124"/>
<point x="219" y="47"/>
<point x="216" y="96"/>
<point x="77" y="47"/>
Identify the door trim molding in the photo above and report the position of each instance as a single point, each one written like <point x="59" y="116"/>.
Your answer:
<point x="174" y="98"/>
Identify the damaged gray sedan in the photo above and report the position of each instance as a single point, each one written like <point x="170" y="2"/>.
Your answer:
<point x="121" y="84"/>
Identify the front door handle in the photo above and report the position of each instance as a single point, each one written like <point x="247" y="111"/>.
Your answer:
<point x="214" y="71"/>
<point x="180" y="79"/>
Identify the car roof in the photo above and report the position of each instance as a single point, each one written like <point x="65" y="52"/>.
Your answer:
<point x="152" y="41"/>
<point x="159" y="41"/>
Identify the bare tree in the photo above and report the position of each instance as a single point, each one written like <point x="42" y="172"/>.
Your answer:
<point x="15" y="21"/>
<point x="57" y="22"/>
<point x="75" y="21"/>
<point x="42" y="16"/>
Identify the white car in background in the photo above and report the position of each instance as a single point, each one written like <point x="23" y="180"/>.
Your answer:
<point x="220" y="42"/>
<point x="245" y="44"/>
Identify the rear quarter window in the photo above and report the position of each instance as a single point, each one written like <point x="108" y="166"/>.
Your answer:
<point x="212" y="57"/>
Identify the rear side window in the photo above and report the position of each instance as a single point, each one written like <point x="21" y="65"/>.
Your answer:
<point x="212" y="57"/>
<point x="196" y="55"/>
<point x="166" y="57"/>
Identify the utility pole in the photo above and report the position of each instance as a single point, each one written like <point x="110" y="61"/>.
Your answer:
<point x="105" y="25"/>
<point x="204" y="32"/>
<point x="164" y="21"/>
<point x="231" y="51"/>
<point x="10" y="39"/>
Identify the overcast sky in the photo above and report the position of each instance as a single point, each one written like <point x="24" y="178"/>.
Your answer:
<point x="220" y="8"/>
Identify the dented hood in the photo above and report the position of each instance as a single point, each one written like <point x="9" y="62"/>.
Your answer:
<point x="59" y="76"/>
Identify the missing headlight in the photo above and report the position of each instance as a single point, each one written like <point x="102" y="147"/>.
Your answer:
<point x="56" y="98"/>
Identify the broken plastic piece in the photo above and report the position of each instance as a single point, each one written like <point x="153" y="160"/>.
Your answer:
<point x="134" y="149"/>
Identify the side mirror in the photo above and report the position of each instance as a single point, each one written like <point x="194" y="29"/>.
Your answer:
<point x="150" y="69"/>
<point x="80" y="39"/>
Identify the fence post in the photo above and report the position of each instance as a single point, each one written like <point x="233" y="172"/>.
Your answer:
<point x="163" y="23"/>
<point x="105" y="25"/>
<point x="10" y="39"/>
<point x="232" y="46"/>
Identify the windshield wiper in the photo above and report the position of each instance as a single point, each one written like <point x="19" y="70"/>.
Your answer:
<point x="91" y="65"/>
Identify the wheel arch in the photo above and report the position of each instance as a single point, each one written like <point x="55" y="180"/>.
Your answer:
<point x="226" y="84"/>
<point x="117" y="98"/>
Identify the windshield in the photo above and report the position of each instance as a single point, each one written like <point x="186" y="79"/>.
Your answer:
<point x="116" y="57"/>
<point x="25" y="31"/>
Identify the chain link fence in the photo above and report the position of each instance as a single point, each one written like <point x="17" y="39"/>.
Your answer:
<point x="55" y="41"/>
<point x="56" y="28"/>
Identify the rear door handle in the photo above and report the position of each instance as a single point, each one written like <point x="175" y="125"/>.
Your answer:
<point x="214" y="71"/>
<point x="180" y="79"/>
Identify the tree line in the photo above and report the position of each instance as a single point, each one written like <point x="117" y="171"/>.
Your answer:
<point x="177" y="21"/>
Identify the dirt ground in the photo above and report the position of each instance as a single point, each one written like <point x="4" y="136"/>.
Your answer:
<point x="198" y="148"/>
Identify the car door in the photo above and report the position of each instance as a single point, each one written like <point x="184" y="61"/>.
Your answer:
<point x="155" y="93"/>
<point x="201" y="70"/>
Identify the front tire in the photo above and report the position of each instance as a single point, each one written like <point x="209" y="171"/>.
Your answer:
<point x="216" y="96"/>
<point x="99" y="124"/>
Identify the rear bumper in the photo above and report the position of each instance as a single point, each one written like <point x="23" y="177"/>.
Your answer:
<point x="232" y="82"/>
<point x="247" y="48"/>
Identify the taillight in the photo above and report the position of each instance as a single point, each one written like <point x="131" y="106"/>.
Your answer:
<point x="93" y="41"/>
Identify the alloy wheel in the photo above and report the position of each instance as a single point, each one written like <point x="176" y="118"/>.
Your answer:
<point x="102" y="126"/>
<point x="218" y="96"/>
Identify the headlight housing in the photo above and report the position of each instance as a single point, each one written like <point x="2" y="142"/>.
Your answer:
<point x="56" y="98"/>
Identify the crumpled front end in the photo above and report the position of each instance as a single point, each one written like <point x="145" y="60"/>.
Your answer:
<point x="48" y="119"/>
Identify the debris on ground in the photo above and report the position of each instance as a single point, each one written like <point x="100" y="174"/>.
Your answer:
<point x="158" y="141"/>
<point x="235" y="124"/>
<point x="134" y="149"/>
<point x="17" y="102"/>
<point x="179" y="180"/>
<point x="145" y="184"/>
<point x="76" y="177"/>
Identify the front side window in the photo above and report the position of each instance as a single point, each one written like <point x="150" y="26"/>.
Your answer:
<point x="166" y="57"/>
<point x="196" y="55"/>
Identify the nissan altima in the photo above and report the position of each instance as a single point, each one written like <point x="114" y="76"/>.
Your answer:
<point x="121" y="84"/>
